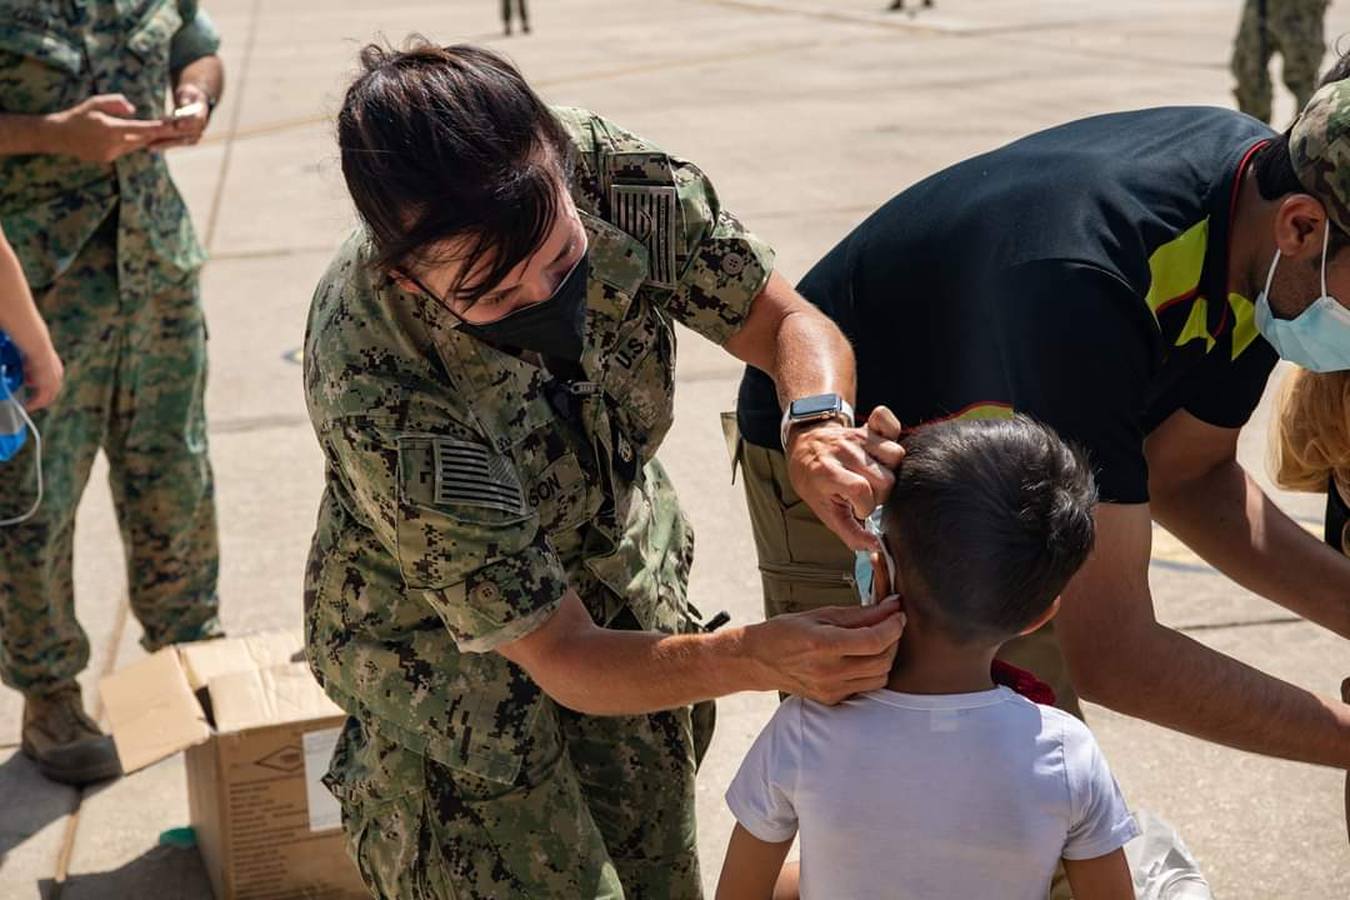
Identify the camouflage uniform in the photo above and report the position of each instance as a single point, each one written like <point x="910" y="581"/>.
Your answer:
<point x="466" y="490"/>
<point x="111" y="255"/>
<point x="1293" y="28"/>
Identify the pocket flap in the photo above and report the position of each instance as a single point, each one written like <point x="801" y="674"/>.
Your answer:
<point x="152" y="37"/>
<point x="40" y="45"/>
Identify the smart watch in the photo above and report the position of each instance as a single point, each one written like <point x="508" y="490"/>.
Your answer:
<point x="814" y="409"/>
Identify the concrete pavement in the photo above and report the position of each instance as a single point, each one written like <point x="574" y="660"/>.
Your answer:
<point x="807" y="114"/>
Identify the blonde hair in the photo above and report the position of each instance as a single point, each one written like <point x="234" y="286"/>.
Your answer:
<point x="1312" y="440"/>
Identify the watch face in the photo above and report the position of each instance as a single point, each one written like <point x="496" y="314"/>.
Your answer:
<point x="814" y="406"/>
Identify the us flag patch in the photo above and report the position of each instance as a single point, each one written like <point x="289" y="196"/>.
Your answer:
<point x="647" y="212"/>
<point x="470" y="475"/>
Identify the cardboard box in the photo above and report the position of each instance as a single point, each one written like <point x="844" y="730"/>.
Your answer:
<point x="258" y="731"/>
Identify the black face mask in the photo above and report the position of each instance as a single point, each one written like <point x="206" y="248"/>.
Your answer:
<point x="554" y="327"/>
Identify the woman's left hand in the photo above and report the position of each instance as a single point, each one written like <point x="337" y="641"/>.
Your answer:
<point x="844" y="473"/>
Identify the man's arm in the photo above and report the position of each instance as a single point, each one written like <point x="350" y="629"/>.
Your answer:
<point x="201" y="81"/>
<point x="1103" y="878"/>
<point x="1121" y="657"/>
<point x="99" y="129"/>
<point x="206" y="75"/>
<point x="841" y="473"/>
<point x="827" y="655"/>
<point x="1200" y="493"/>
<point x="753" y="869"/>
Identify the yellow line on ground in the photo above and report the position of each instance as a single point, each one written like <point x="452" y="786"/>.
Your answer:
<point x="67" y="850"/>
<point x="217" y="196"/>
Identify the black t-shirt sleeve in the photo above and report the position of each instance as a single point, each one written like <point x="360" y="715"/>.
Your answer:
<point x="1338" y="518"/>
<point x="1228" y="390"/>
<point x="1078" y="355"/>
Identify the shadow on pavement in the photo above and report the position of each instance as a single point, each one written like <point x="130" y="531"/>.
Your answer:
<point x="28" y="802"/>
<point x="165" y="873"/>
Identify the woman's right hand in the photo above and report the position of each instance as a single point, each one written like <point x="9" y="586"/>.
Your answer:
<point x="103" y="128"/>
<point x="827" y="654"/>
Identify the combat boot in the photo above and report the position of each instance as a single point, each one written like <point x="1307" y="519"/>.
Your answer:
<point x="65" y="743"/>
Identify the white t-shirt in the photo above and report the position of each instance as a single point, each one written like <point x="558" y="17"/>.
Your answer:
<point x="936" y="797"/>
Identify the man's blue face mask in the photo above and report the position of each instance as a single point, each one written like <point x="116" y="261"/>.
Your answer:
<point x="1318" y="339"/>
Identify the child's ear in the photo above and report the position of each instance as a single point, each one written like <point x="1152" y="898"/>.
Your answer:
<point x="881" y="577"/>
<point x="1042" y="618"/>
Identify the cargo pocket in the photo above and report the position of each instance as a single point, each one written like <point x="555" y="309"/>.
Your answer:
<point x="48" y="65"/>
<point x="797" y="587"/>
<point x="151" y="40"/>
<point x="536" y="838"/>
<point x="397" y="850"/>
<point x="382" y="789"/>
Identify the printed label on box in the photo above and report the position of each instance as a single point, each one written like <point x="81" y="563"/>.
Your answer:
<point x="324" y="812"/>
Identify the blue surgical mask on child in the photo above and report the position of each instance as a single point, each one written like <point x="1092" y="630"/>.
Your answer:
<point x="1318" y="339"/>
<point x="15" y="422"/>
<point x="863" y="573"/>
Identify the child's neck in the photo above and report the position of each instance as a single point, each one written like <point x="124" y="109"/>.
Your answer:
<point x="928" y="663"/>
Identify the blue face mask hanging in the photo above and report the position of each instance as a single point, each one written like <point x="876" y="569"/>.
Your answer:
<point x="863" y="573"/>
<point x="1318" y="339"/>
<point x="15" y="422"/>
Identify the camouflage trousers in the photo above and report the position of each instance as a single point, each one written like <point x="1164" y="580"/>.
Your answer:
<point x="135" y="376"/>
<point x="1292" y="28"/>
<point x="603" y="808"/>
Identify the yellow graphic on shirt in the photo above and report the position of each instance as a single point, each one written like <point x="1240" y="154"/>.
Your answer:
<point x="1195" y="327"/>
<point x="1176" y="268"/>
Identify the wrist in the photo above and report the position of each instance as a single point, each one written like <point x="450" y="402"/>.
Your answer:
<point x="192" y="91"/>
<point x="795" y="430"/>
<point x="814" y="409"/>
<point x="50" y="131"/>
<point x="740" y="646"/>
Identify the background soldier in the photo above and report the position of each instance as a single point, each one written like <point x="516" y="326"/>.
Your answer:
<point x="1293" y="28"/>
<point x="106" y="244"/>
<point x="518" y="7"/>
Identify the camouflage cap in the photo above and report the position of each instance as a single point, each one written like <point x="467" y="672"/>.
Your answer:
<point x="1319" y="147"/>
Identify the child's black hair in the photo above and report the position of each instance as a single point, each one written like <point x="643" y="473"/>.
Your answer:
<point x="988" y="520"/>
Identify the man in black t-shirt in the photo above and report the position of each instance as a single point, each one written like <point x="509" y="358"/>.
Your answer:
<point x="1105" y="277"/>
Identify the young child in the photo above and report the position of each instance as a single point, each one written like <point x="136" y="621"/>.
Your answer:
<point x="942" y="785"/>
<point x="20" y="320"/>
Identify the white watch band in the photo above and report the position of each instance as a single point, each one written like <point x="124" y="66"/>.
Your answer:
<point x="843" y="414"/>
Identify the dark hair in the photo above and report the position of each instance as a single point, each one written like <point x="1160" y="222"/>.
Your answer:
<point x="441" y="142"/>
<point x="988" y="519"/>
<point x="1274" y="169"/>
